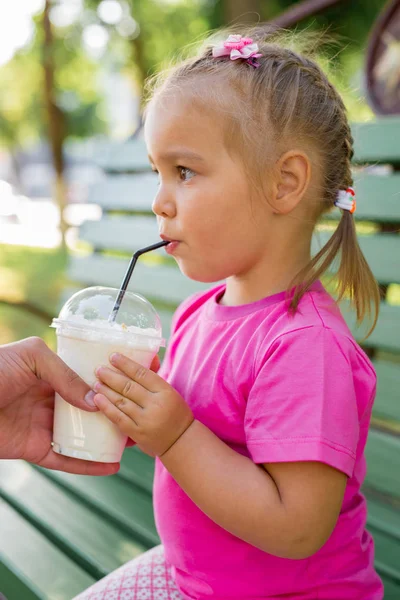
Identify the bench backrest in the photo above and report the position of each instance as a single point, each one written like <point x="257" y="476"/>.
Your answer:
<point x="128" y="224"/>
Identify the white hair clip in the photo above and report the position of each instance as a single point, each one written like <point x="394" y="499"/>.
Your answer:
<point x="346" y="200"/>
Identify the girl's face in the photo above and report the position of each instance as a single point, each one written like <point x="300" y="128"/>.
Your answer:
<point x="203" y="201"/>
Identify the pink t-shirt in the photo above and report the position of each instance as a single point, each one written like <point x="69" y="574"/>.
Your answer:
<point x="275" y="388"/>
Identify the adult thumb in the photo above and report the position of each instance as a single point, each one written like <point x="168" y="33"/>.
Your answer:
<point x="50" y="368"/>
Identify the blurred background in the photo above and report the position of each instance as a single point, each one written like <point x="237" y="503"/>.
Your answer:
<point x="71" y="79"/>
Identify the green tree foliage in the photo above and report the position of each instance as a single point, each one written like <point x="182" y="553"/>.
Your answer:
<point x="165" y="27"/>
<point x="20" y="101"/>
<point x="22" y="116"/>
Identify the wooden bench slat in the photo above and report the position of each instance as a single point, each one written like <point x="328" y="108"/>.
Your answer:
<point x="387" y="548"/>
<point x="138" y="468"/>
<point x="384" y="524"/>
<point x="386" y="334"/>
<point x="114" y="498"/>
<point x="129" y="156"/>
<point x="84" y="535"/>
<point x="377" y="141"/>
<point x="378" y="197"/>
<point x="383" y="517"/>
<point x="392" y="589"/>
<point x="128" y="233"/>
<point x="13" y="582"/>
<point x="383" y="449"/>
<point x="54" y="575"/>
<point x="387" y="404"/>
<point x="128" y="192"/>
<point x="166" y="283"/>
<point x="381" y="252"/>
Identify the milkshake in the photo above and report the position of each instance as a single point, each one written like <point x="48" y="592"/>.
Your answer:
<point x="85" y="340"/>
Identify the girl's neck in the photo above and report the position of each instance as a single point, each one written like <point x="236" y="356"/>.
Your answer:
<point x="265" y="278"/>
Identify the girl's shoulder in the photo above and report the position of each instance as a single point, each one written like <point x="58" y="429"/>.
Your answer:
<point x="316" y="329"/>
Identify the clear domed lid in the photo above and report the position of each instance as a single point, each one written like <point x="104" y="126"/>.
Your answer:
<point x="91" y="308"/>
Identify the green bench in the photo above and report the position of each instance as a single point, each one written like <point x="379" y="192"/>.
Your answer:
<point x="58" y="532"/>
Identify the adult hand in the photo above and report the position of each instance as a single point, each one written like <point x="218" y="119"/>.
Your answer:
<point x="29" y="374"/>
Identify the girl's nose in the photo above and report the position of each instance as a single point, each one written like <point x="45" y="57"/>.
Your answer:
<point x="163" y="204"/>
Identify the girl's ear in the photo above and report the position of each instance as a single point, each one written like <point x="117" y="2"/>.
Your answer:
<point x="292" y="178"/>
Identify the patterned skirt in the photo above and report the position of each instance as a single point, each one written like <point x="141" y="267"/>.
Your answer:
<point x="147" y="577"/>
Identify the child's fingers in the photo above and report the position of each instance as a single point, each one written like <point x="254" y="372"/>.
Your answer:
<point x="123" y="385"/>
<point x="145" y="377"/>
<point x="131" y="409"/>
<point x="125" y="423"/>
<point x="155" y="364"/>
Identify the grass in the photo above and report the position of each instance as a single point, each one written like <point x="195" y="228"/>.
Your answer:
<point x="32" y="275"/>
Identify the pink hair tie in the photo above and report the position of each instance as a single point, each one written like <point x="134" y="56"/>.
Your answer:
<point x="346" y="200"/>
<point x="238" y="47"/>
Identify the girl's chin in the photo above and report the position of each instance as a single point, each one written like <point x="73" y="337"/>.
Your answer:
<point x="201" y="275"/>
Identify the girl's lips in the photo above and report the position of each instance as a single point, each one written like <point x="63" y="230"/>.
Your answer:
<point x="170" y="249"/>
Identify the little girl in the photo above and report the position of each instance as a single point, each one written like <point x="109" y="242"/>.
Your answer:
<point x="259" y="415"/>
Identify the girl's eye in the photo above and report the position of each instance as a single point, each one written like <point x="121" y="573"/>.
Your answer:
<point x="185" y="174"/>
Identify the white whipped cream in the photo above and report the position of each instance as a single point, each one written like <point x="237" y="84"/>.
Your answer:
<point x="99" y="330"/>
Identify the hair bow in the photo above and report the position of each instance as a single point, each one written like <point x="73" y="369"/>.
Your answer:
<point x="238" y="47"/>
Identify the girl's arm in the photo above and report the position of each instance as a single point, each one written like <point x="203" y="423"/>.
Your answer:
<point x="286" y="509"/>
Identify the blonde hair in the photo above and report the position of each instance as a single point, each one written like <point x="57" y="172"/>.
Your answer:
<point x="290" y="94"/>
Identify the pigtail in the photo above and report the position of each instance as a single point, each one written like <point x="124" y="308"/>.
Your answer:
<point x="354" y="277"/>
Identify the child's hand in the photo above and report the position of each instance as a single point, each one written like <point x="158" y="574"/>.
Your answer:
<point x="142" y="405"/>
<point x="155" y="366"/>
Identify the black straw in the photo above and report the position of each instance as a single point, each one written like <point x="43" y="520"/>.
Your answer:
<point x="128" y="274"/>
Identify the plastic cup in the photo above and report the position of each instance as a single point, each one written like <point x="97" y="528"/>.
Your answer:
<point x="85" y="340"/>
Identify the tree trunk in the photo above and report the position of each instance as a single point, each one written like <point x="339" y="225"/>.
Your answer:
<point x="302" y="10"/>
<point x="241" y="11"/>
<point x="138" y="58"/>
<point x="55" y="120"/>
<point x="13" y="151"/>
